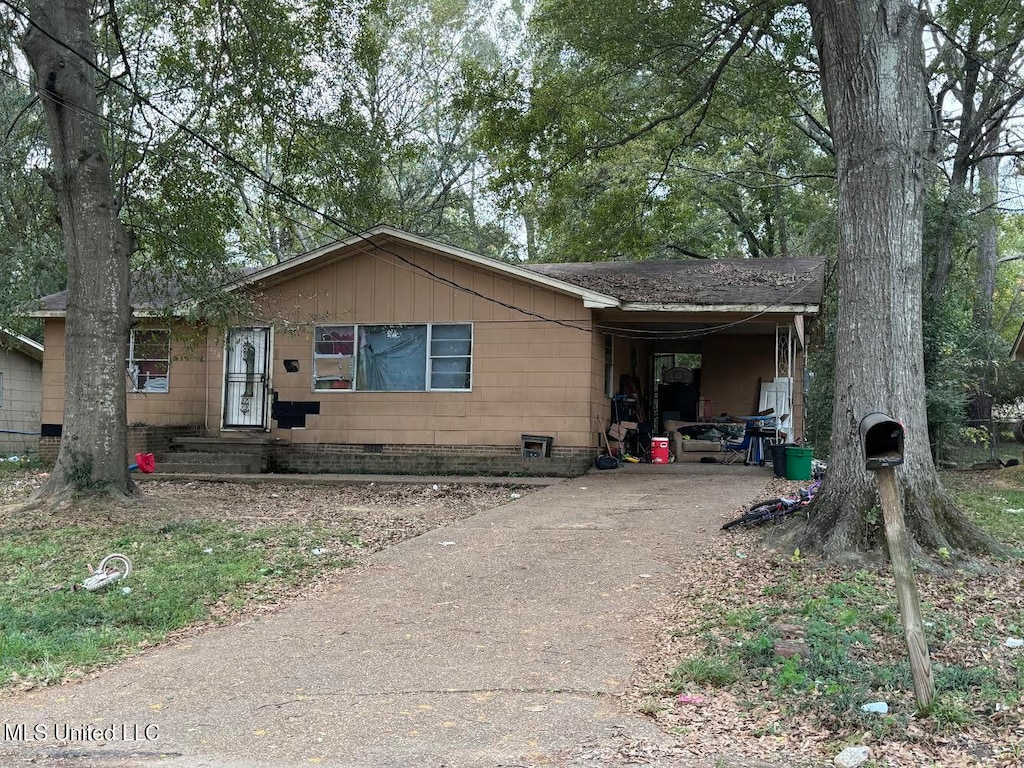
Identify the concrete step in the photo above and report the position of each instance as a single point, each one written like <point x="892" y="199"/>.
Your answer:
<point x="253" y="445"/>
<point x="212" y="457"/>
<point x="172" y="467"/>
<point x="179" y="461"/>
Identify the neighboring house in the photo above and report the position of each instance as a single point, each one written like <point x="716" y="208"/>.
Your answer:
<point x="1017" y="351"/>
<point x="389" y="351"/>
<point x="21" y="382"/>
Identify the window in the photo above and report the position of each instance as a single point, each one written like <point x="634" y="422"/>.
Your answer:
<point x="149" y="359"/>
<point x="451" y="356"/>
<point x="334" y="357"/>
<point x="393" y="358"/>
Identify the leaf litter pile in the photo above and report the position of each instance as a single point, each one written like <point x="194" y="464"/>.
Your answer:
<point x="769" y="656"/>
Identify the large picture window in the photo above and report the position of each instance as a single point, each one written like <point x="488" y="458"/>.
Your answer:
<point x="393" y="358"/>
<point x="149" y="359"/>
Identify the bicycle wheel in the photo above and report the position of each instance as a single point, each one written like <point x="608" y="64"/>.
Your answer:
<point x="755" y="516"/>
<point x="767" y="502"/>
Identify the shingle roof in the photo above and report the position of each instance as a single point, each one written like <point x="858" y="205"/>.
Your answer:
<point x="755" y="282"/>
<point x="744" y="282"/>
<point x="147" y="294"/>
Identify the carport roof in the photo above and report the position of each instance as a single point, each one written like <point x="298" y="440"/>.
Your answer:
<point x="777" y="282"/>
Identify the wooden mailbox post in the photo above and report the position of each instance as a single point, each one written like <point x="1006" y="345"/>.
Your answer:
<point x="882" y="439"/>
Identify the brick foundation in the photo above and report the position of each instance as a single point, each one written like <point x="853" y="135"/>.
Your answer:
<point x="48" y="447"/>
<point x="157" y="439"/>
<point x="142" y="438"/>
<point x="495" y="460"/>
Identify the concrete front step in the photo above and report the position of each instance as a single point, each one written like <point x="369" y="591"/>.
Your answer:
<point x="171" y="467"/>
<point x="180" y="460"/>
<point x="210" y="463"/>
<point x="211" y="457"/>
<point x="253" y="445"/>
<point x="215" y="455"/>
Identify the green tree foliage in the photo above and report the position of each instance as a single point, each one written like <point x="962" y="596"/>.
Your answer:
<point x="976" y="91"/>
<point x="251" y="131"/>
<point x="415" y="166"/>
<point x="31" y="262"/>
<point x="660" y="130"/>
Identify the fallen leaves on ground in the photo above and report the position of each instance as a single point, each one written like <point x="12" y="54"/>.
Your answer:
<point x="732" y="573"/>
<point x="351" y="522"/>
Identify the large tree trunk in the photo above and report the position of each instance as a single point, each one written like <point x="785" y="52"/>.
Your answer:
<point x="988" y="232"/>
<point x="980" y="406"/>
<point x="93" y="448"/>
<point x="872" y="79"/>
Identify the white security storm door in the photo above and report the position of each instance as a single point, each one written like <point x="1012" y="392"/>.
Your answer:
<point x="246" y="378"/>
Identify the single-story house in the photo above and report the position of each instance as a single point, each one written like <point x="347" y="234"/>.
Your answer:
<point x="390" y="351"/>
<point x="21" y="384"/>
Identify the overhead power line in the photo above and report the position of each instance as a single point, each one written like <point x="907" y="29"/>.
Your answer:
<point x="287" y="196"/>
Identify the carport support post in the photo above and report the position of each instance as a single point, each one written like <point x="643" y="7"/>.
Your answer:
<point x="906" y="588"/>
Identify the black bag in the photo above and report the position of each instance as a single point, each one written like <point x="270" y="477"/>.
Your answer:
<point x="606" y="462"/>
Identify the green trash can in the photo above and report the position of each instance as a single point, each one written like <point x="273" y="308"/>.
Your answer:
<point x="798" y="462"/>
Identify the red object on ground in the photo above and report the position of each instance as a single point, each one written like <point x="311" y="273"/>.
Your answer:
<point x="659" y="450"/>
<point x="146" y="462"/>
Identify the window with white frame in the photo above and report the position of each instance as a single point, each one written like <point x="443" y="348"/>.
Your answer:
<point x="393" y="358"/>
<point x="334" y="355"/>
<point x="451" y="356"/>
<point x="149" y="359"/>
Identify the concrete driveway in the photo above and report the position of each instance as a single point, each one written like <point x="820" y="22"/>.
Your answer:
<point x="502" y="640"/>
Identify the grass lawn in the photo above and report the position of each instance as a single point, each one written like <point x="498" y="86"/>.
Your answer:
<point x="721" y="684"/>
<point x="186" y="571"/>
<point x="202" y="553"/>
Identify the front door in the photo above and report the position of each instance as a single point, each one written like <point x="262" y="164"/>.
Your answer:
<point x="246" y="378"/>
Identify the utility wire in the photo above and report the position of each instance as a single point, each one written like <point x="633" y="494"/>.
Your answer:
<point x="289" y="197"/>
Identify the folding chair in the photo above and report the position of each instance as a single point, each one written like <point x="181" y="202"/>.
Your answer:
<point x="737" y="450"/>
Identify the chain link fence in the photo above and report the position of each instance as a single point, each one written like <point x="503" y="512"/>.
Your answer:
<point x="980" y="443"/>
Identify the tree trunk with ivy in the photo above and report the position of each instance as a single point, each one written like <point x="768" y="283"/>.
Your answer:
<point x="93" y="448"/>
<point x="872" y="74"/>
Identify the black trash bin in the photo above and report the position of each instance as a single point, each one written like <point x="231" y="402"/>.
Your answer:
<point x="778" y="454"/>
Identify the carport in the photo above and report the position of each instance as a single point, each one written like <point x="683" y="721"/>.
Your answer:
<point x="698" y="340"/>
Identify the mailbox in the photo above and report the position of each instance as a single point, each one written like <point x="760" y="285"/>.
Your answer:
<point x="882" y="439"/>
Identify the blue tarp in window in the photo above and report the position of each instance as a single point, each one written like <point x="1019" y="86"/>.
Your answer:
<point x="392" y="358"/>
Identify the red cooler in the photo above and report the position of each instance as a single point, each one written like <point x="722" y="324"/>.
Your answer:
<point x="659" y="450"/>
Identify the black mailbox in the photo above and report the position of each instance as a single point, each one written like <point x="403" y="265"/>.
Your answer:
<point x="882" y="439"/>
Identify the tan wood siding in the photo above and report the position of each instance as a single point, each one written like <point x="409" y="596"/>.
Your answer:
<point x="52" y="411"/>
<point x="183" y="403"/>
<point x="732" y="368"/>
<point x="530" y="376"/>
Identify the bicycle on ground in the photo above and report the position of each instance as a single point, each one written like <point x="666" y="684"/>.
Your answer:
<point x="773" y="510"/>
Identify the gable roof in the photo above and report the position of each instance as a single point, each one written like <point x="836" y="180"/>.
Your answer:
<point x="148" y="295"/>
<point x="148" y="299"/>
<point x="379" y="237"/>
<point x="737" y="285"/>
<point x="779" y="284"/>
<point x="11" y="340"/>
